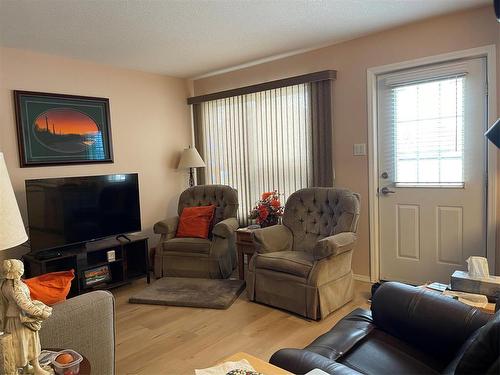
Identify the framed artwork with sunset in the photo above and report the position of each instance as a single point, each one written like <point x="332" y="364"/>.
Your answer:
<point x="55" y="129"/>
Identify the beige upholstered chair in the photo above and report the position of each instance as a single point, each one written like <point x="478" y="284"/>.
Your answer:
<point x="84" y="323"/>
<point x="304" y="265"/>
<point x="213" y="258"/>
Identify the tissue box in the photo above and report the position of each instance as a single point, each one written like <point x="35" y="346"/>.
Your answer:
<point x="490" y="286"/>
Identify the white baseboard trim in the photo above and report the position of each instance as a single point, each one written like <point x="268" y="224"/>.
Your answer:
<point x="363" y="278"/>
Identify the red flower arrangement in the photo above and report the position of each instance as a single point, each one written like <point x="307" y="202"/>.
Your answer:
<point x="268" y="210"/>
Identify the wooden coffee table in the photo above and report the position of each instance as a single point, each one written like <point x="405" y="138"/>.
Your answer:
<point x="258" y="364"/>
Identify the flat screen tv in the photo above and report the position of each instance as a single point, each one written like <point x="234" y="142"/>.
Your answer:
<point x="73" y="210"/>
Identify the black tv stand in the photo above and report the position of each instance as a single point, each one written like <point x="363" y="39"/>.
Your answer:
<point x="124" y="236"/>
<point x="48" y="254"/>
<point x="131" y="262"/>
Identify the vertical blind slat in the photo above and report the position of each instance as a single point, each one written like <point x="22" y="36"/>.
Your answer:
<point x="258" y="142"/>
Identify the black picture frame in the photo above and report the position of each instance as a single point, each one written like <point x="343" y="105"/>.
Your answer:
<point x="60" y="129"/>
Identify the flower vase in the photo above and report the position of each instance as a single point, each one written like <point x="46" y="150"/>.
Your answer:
<point x="270" y="221"/>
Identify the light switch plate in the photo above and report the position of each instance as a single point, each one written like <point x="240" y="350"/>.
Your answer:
<point x="359" y="149"/>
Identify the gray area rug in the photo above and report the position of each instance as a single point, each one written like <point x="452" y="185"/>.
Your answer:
<point x="180" y="291"/>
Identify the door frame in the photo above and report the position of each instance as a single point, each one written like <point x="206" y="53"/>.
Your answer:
<point x="489" y="52"/>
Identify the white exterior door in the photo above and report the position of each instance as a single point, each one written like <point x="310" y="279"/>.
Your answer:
<point x="432" y="170"/>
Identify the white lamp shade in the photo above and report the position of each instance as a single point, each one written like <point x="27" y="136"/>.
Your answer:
<point x="12" y="232"/>
<point x="190" y="158"/>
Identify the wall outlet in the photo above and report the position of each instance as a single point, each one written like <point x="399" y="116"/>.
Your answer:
<point x="359" y="149"/>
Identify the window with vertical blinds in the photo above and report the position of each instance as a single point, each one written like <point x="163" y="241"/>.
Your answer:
<point x="258" y="142"/>
<point x="426" y="110"/>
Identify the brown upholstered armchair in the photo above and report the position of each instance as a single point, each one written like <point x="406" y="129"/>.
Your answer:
<point x="214" y="257"/>
<point x="304" y="265"/>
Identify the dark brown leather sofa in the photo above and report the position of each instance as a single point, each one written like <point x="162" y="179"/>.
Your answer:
<point x="407" y="331"/>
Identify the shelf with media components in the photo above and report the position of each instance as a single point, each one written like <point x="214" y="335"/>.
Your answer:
<point x="102" y="264"/>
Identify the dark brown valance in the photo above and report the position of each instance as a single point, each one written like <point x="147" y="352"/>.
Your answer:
<point x="325" y="75"/>
<point x="322" y="133"/>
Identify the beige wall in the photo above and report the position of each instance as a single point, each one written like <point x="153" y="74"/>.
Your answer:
<point x="351" y="59"/>
<point x="150" y="124"/>
<point x="150" y="121"/>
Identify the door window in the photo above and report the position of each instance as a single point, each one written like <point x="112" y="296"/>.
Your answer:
<point x="428" y="123"/>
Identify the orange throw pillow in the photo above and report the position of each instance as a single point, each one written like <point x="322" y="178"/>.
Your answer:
<point x="50" y="288"/>
<point x="195" y="221"/>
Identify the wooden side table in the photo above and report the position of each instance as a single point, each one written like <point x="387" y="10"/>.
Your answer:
<point x="244" y="245"/>
<point x="488" y="309"/>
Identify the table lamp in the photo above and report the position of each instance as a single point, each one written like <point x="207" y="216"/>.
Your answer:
<point x="191" y="159"/>
<point x="12" y="232"/>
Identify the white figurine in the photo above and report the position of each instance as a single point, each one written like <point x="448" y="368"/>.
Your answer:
<point x="22" y="317"/>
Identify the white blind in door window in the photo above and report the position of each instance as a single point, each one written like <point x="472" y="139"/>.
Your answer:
<point x="428" y="131"/>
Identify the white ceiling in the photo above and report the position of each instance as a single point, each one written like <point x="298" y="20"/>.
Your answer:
<point x="188" y="38"/>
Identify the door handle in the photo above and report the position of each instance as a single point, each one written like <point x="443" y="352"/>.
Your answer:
<point x="385" y="190"/>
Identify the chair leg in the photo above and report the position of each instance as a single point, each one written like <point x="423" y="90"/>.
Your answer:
<point x="158" y="263"/>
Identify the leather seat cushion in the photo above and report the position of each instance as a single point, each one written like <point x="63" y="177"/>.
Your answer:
<point x="297" y="263"/>
<point x="188" y="245"/>
<point x="350" y="330"/>
<point x="381" y="353"/>
<point x="420" y="314"/>
<point x="480" y="354"/>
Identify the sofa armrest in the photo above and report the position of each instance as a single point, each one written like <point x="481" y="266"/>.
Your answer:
<point x="300" y="361"/>
<point x="167" y="228"/>
<point x="334" y="245"/>
<point x="272" y="239"/>
<point x="85" y="323"/>
<point x="436" y="324"/>
<point x="225" y="228"/>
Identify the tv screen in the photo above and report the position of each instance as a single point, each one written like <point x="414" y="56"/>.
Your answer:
<point x="72" y="210"/>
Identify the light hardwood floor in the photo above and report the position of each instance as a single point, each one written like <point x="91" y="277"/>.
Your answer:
<point x="176" y="340"/>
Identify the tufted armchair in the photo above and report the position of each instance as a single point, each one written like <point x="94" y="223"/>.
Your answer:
<point x="304" y="265"/>
<point x="213" y="258"/>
